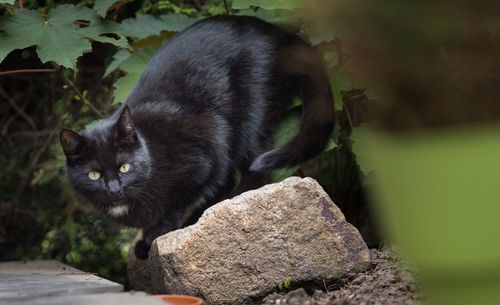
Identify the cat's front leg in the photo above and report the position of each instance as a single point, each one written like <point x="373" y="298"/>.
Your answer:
<point x="143" y="246"/>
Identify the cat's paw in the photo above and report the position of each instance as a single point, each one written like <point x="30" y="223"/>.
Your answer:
<point x="142" y="249"/>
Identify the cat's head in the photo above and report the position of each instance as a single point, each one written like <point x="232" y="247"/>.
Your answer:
<point x="107" y="163"/>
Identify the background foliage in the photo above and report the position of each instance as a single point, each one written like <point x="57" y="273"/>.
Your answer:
<point x="89" y="55"/>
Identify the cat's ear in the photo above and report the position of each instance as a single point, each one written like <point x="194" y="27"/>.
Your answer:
<point x="124" y="129"/>
<point x="71" y="142"/>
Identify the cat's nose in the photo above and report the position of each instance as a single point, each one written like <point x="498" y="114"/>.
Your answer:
<point x="114" y="187"/>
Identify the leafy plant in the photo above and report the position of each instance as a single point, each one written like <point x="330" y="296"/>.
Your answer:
<point x="146" y="25"/>
<point x="285" y="285"/>
<point x="61" y="37"/>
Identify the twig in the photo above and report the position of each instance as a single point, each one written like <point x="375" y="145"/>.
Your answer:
<point x="18" y="109"/>
<point x="27" y="173"/>
<point x="81" y="96"/>
<point x="228" y="11"/>
<point x="198" y="5"/>
<point x="324" y="285"/>
<point x="35" y="133"/>
<point x="348" y="116"/>
<point x="21" y="4"/>
<point x="12" y="118"/>
<point x="83" y="23"/>
<point x="9" y="121"/>
<point x="27" y="71"/>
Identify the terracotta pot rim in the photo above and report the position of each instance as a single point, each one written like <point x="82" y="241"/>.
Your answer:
<point x="166" y="297"/>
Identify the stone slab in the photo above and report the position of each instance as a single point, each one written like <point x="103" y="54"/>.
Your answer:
<point x="24" y="281"/>
<point x="137" y="298"/>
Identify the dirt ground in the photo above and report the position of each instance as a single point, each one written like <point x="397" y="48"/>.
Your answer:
<point x="389" y="282"/>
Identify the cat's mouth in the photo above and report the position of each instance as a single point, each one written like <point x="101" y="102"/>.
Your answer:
<point x="118" y="209"/>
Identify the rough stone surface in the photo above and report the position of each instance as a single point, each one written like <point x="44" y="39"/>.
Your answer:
<point x="243" y="248"/>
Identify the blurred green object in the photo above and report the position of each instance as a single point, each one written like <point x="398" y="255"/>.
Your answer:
<point x="438" y="200"/>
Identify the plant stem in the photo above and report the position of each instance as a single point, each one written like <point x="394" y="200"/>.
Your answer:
<point x="26" y="175"/>
<point x="348" y="116"/>
<point x="18" y="109"/>
<point x="81" y="96"/>
<point x="27" y="71"/>
<point x="228" y="11"/>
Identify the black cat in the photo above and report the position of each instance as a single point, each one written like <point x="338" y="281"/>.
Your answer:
<point x="198" y="127"/>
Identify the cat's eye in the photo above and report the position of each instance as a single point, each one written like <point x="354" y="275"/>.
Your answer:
<point x="124" y="168"/>
<point x="94" y="175"/>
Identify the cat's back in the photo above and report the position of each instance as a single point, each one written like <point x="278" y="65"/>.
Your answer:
<point x="200" y="62"/>
<point x="223" y="36"/>
<point x="217" y="42"/>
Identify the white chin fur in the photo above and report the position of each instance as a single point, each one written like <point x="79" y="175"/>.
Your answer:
<point x="117" y="211"/>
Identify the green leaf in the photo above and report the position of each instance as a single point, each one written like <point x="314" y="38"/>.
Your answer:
<point x="287" y="283"/>
<point x="177" y="22"/>
<point x="101" y="6"/>
<point x="297" y="102"/>
<point x="15" y="29"/>
<point x="57" y="37"/>
<point x="281" y="174"/>
<point x="288" y="129"/>
<point x="7" y="1"/>
<point x="118" y="59"/>
<point x="134" y="66"/>
<point x="146" y="25"/>
<point x="124" y="85"/>
<point x="280" y="17"/>
<point x="268" y="4"/>
<point x="330" y="145"/>
<point x="66" y="14"/>
<point x="100" y="29"/>
<point x="137" y="62"/>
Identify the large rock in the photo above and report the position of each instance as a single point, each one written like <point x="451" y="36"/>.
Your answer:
<point x="244" y="248"/>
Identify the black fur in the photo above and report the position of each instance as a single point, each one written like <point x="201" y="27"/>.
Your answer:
<point x="198" y="126"/>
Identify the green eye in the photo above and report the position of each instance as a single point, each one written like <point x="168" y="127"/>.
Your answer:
<point x="94" y="175"/>
<point x="125" y="168"/>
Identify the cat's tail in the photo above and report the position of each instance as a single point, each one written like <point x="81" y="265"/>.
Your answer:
<point x="318" y="115"/>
